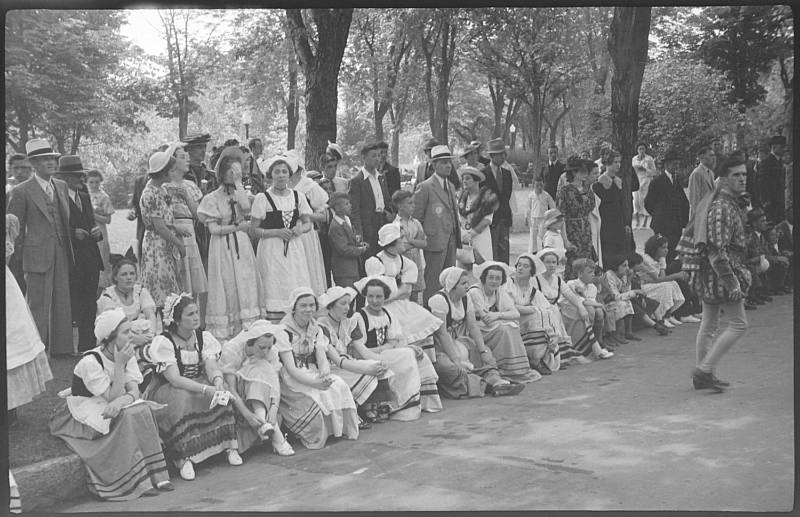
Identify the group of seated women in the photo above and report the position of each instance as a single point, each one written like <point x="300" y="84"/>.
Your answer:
<point x="334" y="365"/>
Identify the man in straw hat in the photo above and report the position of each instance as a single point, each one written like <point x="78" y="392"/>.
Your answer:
<point x="42" y="206"/>
<point x="85" y="232"/>
<point x="425" y="169"/>
<point x="500" y="179"/>
<point x="436" y="208"/>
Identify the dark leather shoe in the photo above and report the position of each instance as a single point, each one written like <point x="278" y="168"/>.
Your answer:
<point x="632" y="337"/>
<point x="661" y="329"/>
<point x="720" y="382"/>
<point x="705" y="381"/>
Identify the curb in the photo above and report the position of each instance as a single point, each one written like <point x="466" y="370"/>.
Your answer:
<point x="51" y="482"/>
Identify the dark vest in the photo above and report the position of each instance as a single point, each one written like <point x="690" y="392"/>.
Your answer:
<point x="449" y="318"/>
<point x="190" y="371"/>
<point x="274" y="220"/>
<point x="375" y="337"/>
<point x="79" y="388"/>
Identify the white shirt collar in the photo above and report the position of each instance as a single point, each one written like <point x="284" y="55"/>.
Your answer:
<point x="669" y="175"/>
<point x="440" y="179"/>
<point x="43" y="183"/>
<point x="341" y="220"/>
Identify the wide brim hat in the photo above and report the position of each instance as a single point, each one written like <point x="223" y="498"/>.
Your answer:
<point x="472" y="146"/>
<point x="383" y="279"/>
<point x="441" y="152"/>
<point x="39" y="148"/>
<point x="335" y="150"/>
<point x="231" y="150"/>
<point x="335" y="293"/>
<point x="389" y="233"/>
<point x="70" y="164"/>
<point x="479" y="175"/>
<point x="777" y="140"/>
<point x="496" y="146"/>
<point x="480" y="268"/>
<point x="159" y="162"/>
<point x="174" y="146"/>
<point x="551" y="216"/>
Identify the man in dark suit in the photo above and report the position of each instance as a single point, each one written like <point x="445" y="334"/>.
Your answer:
<point x="42" y="206"/>
<point x="346" y="251"/>
<point x="552" y="171"/>
<point x="667" y="203"/>
<point x="85" y="274"/>
<point x="389" y="171"/>
<point x="500" y="179"/>
<point x="436" y="208"/>
<point x="771" y="177"/>
<point x="369" y="195"/>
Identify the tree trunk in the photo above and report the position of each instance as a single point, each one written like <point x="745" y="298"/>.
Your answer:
<point x="627" y="44"/>
<point x="292" y="105"/>
<point x="183" y="116"/>
<point x="321" y="72"/>
<point x="76" y="138"/>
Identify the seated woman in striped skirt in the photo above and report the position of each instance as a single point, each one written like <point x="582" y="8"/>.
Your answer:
<point x="498" y="320"/>
<point x="414" y="382"/>
<point x="368" y="377"/>
<point x="540" y="322"/>
<point x="465" y="365"/>
<point x="117" y="440"/>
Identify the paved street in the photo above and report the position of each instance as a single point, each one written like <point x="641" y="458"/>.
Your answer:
<point x="628" y="433"/>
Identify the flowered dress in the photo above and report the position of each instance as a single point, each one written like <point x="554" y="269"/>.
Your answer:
<point x="317" y="199"/>
<point x="282" y="266"/>
<point x="193" y="274"/>
<point x="159" y="263"/>
<point x="577" y="208"/>
<point x="101" y="204"/>
<point x="233" y="284"/>
<point x="620" y="295"/>
<point x="309" y="413"/>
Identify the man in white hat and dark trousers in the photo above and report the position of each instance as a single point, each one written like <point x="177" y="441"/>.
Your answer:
<point x="85" y="273"/>
<point x="436" y="208"/>
<point x="42" y="206"/>
<point x="501" y="180"/>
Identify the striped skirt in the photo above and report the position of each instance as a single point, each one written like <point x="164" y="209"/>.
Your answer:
<point x="536" y="329"/>
<point x="583" y="338"/>
<point x="122" y="464"/>
<point x="505" y="341"/>
<point x="189" y="429"/>
<point x="362" y="386"/>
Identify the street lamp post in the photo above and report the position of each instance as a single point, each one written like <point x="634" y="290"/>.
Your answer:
<point x="513" y="129"/>
<point x="246" y="120"/>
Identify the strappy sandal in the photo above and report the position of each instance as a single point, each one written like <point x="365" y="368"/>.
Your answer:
<point x="371" y="415"/>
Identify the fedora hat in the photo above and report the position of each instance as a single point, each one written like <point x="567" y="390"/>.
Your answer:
<point x="495" y="146"/>
<point x="36" y="147"/>
<point x="472" y="171"/>
<point x="159" y="162"/>
<point x="70" y="164"/>
<point x="472" y="146"/>
<point x="441" y="152"/>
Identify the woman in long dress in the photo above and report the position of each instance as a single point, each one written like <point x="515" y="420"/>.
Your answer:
<point x="576" y="201"/>
<point x="27" y="369"/>
<point x="315" y="403"/>
<point x="103" y="210"/>
<point x="186" y="196"/>
<point x="188" y="381"/>
<point x="104" y="421"/>
<point x="419" y="326"/>
<point x="250" y="365"/>
<point x="366" y="373"/>
<point x="278" y="218"/>
<point x="318" y="201"/>
<point x="413" y="384"/>
<point x="498" y="320"/>
<point x="615" y="235"/>
<point x="540" y="322"/>
<point x="475" y="208"/>
<point x="466" y="366"/>
<point x="594" y="217"/>
<point x="162" y="249"/>
<point x="233" y="284"/>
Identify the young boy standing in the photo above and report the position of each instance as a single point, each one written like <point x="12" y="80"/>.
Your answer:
<point x="403" y="200"/>
<point x="346" y="251"/>
<point x="539" y="202"/>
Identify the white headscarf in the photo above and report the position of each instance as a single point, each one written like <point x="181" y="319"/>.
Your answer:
<point x="450" y="276"/>
<point x="107" y="322"/>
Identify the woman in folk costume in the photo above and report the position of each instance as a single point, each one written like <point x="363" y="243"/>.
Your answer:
<point x="498" y="320"/>
<point x="315" y="403"/>
<point x="318" y="201"/>
<point x="27" y="369"/>
<point x="476" y="205"/>
<point x="104" y="421"/>
<point x="418" y="325"/>
<point x="186" y="196"/>
<point x="279" y="218"/>
<point x="250" y="365"/>
<point x="540" y="322"/>
<point x="233" y="285"/>
<point x="366" y="373"/>
<point x="188" y="381"/>
<point x="466" y="366"/>
<point x="413" y="384"/>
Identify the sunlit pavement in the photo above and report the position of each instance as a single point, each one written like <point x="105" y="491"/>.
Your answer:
<point x="628" y="433"/>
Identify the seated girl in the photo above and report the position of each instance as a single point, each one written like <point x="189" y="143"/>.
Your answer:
<point x="116" y="439"/>
<point x="188" y="380"/>
<point x="315" y="404"/>
<point x="414" y="382"/>
<point x="368" y="378"/>
<point x="498" y="321"/>
<point x="659" y="286"/>
<point x="617" y="295"/>
<point x="655" y="259"/>
<point x="540" y="323"/>
<point x="418" y="325"/>
<point x="465" y="365"/>
<point x="250" y="365"/>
